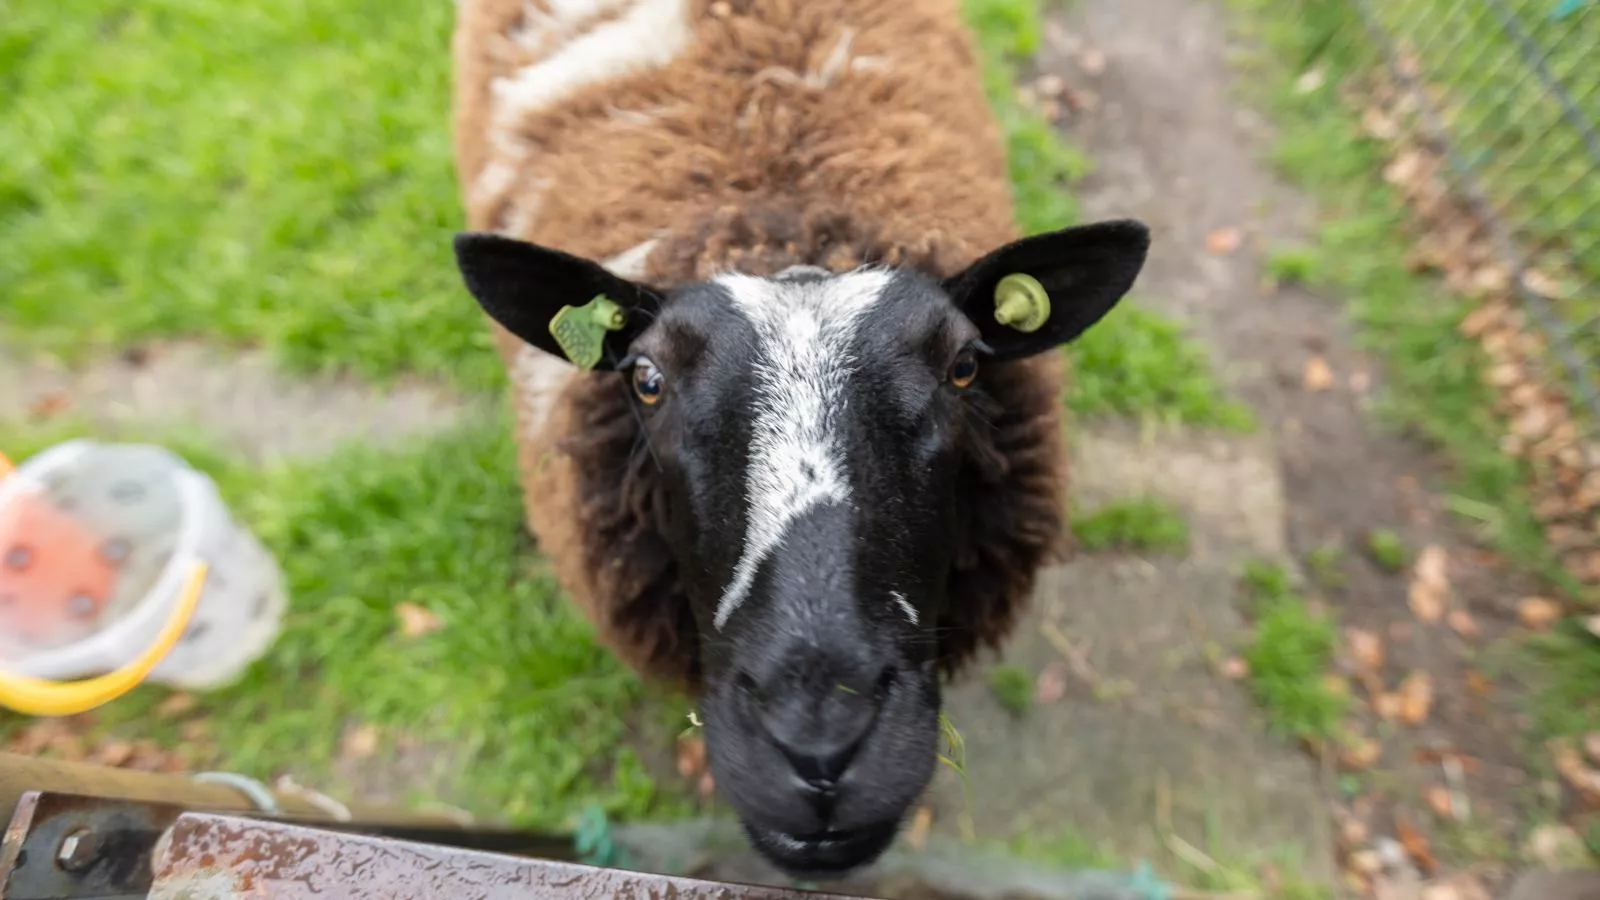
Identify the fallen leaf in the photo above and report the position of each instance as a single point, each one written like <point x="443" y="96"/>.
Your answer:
<point x="721" y="9"/>
<point x="1387" y="706"/>
<point x="1391" y="851"/>
<point x="707" y="785"/>
<point x="1223" y="241"/>
<point x="1555" y="847"/>
<point x="416" y="621"/>
<point x="1542" y="283"/>
<point x="1309" y="81"/>
<point x="1430" y="585"/>
<point x="114" y="753"/>
<point x="1235" y="668"/>
<point x="1352" y="834"/>
<point x="1318" y="376"/>
<point x="1361" y="755"/>
<point x="1051" y="685"/>
<point x="1440" y="801"/>
<point x="1380" y="125"/>
<point x="1570" y="765"/>
<point x="50" y="405"/>
<point x="1092" y="61"/>
<point x="1366" y="649"/>
<point x="1591" y="746"/>
<point x="1538" y="613"/>
<point x="196" y="731"/>
<point x="1050" y="85"/>
<point x="1462" y="623"/>
<point x="1415" y="843"/>
<point x="1367" y="862"/>
<point x="1479" y="684"/>
<point x="1461" y="886"/>
<point x="691" y="755"/>
<point x="360" y="742"/>
<point x="917" y="834"/>
<point x="1592" y="625"/>
<point x="1402" y="887"/>
<point x="1416" y="698"/>
<point x="175" y="705"/>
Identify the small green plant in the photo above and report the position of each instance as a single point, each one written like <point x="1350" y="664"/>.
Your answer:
<point x="1265" y="579"/>
<point x="1292" y="266"/>
<point x="1146" y="524"/>
<point x="1289" y="657"/>
<point x="1386" y="549"/>
<point x="954" y="757"/>
<point x="1324" y="563"/>
<point x="1135" y="362"/>
<point x="1013" y="688"/>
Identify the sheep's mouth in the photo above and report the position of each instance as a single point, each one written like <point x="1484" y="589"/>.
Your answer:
<point x="826" y="855"/>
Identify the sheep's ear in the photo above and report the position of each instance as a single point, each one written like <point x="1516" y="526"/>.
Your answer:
<point x="1044" y="291"/>
<point x="548" y="298"/>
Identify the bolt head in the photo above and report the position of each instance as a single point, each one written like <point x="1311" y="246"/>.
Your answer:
<point x="76" y="851"/>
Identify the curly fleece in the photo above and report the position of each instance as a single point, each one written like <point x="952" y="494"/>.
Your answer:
<point x="748" y="136"/>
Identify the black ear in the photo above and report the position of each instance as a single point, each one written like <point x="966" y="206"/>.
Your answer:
<point x="1084" y="270"/>
<point x="523" y="286"/>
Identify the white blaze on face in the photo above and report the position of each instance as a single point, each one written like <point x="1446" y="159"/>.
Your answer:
<point x="905" y="606"/>
<point x="805" y="331"/>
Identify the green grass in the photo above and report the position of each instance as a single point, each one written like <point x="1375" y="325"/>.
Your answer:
<point x="1387" y="549"/>
<point x="1289" y="655"/>
<point x="1137" y="363"/>
<point x="1563" y="667"/>
<point x="1291" y="265"/>
<point x="1145" y="524"/>
<point x="1326" y="565"/>
<point x="1042" y="165"/>
<point x="525" y="711"/>
<point x="1012" y="687"/>
<point x="272" y="172"/>
<point x="1531" y="159"/>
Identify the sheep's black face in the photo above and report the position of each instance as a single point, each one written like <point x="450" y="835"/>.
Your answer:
<point x="809" y="428"/>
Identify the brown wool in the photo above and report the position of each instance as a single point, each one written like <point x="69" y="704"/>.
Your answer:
<point x="827" y="132"/>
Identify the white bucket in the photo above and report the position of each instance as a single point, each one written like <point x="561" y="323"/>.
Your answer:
<point x="155" y="518"/>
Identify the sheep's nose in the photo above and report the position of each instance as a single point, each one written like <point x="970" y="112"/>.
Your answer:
<point x="818" y="712"/>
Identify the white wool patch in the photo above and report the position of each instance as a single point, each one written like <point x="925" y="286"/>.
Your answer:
<point x="645" y="34"/>
<point x="629" y="263"/>
<point x="539" y="377"/>
<point x="796" y="462"/>
<point x="648" y="34"/>
<point x="905" y="606"/>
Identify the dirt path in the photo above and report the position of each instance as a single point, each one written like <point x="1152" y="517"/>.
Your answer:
<point x="239" y="399"/>
<point x="1173" y="145"/>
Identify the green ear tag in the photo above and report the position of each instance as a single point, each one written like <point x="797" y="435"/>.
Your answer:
<point x="1020" y="302"/>
<point x="581" y="331"/>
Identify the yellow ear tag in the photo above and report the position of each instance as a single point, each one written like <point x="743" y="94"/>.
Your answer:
<point x="581" y="331"/>
<point x="1021" y="302"/>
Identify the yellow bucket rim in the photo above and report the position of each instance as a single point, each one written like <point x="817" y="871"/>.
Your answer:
<point x="44" y="697"/>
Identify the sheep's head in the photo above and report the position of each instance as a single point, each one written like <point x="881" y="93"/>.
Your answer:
<point x="825" y="442"/>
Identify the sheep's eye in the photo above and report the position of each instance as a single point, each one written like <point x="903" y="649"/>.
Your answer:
<point x="648" y="382"/>
<point x="965" y="369"/>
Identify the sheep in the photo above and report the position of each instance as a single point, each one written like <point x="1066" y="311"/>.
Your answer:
<point x="810" y="472"/>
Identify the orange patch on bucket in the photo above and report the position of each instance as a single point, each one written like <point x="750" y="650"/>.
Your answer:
<point x="54" y="574"/>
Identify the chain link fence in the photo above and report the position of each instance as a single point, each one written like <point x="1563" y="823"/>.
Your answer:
<point x="1507" y="93"/>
